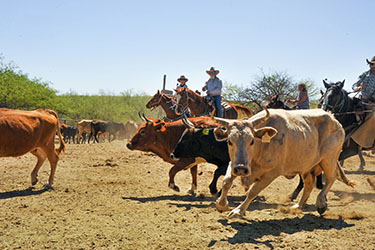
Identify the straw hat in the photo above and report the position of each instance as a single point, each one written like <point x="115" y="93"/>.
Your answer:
<point x="212" y="70"/>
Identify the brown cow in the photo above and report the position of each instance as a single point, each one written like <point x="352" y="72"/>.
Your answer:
<point x="31" y="131"/>
<point x="161" y="138"/>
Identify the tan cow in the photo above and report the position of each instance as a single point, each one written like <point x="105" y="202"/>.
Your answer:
<point x="83" y="126"/>
<point x="131" y="128"/>
<point x="279" y="142"/>
<point x="31" y="131"/>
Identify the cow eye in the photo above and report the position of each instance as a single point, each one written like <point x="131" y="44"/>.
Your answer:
<point x="252" y="142"/>
<point x="230" y="143"/>
<point x="142" y="132"/>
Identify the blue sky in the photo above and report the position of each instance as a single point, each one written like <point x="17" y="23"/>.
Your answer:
<point x="88" y="46"/>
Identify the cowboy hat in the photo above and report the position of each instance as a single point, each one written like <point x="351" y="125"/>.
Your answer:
<point x="372" y="60"/>
<point x="212" y="71"/>
<point x="182" y="77"/>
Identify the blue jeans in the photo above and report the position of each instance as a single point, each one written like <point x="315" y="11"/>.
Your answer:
<point x="219" y="108"/>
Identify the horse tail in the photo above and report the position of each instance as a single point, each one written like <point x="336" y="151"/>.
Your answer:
<point x="244" y="110"/>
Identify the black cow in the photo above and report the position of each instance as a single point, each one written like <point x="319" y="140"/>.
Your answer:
<point x="105" y="127"/>
<point x="201" y="142"/>
<point x="69" y="132"/>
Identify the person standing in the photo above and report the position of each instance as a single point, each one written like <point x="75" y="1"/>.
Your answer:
<point x="213" y="89"/>
<point x="366" y="83"/>
<point x="302" y="101"/>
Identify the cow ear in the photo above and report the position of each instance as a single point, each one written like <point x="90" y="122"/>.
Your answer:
<point x="221" y="134"/>
<point x="265" y="134"/>
<point x="321" y="92"/>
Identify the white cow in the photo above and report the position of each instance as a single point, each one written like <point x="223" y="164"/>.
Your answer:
<point x="279" y="142"/>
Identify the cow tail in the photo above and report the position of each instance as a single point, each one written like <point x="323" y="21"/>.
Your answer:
<point x="244" y="110"/>
<point x="62" y="143"/>
<point x="342" y="177"/>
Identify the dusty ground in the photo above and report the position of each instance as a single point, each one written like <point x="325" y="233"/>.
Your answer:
<point x="107" y="197"/>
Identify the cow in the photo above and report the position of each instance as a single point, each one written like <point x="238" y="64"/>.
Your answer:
<point x="69" y="133"/>
<point x="31" y="131"/>
<point x="279" y="142"/>
<point x="131" y="128"/>
<point x="83" y="126"/>
<point x="200" y="142"/>
<point x="161" y="138"/>
<point x="105" y="127"/>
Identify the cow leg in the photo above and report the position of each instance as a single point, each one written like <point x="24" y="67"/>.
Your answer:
<point x="319" y="181"/>
<point x="221" y="169"/>
<point x="194" y="183"/>
<point x="180" y="165"/>
<point x="329" y="168"/>
<point x="222" y="202"/>
<point x="298" y="189"/>
<point x="363" y="163"/>
<point x="41" y="158"/>
<point x="263" y="182"/>
<point x="309" y="181"/>
<point x="53" y="158"/>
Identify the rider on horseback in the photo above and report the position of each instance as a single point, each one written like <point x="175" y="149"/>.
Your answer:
<point x="182" y="84"/>
<point x="366" y="84"/>
<point x="213" y="87"/>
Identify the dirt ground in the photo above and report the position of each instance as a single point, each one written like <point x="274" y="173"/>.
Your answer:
<point x="108" y="197"/>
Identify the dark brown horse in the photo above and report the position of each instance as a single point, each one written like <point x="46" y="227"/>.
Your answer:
<point x="166" y="102"/>
<point x="198" y="105"/>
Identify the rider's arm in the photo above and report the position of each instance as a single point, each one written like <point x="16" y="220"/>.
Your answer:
<point x="358" y="84"/>
<point x="303" y="98"/>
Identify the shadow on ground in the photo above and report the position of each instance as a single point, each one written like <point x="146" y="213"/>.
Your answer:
<point x="259" y="203"/>
<point x="21" y="193"/>
<point x="252" y="231"/>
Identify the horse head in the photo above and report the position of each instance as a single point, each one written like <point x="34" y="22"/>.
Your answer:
<point x="334" y="97"/>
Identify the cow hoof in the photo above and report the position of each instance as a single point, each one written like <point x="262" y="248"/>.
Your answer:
<point x="222" y="208"/>
<point x="191" y="191"/>
<point x="213" y="190"/>
<point x="236" y="213"/>
<point x="48" y="187"/>
<point x="321" y="210"/>
<point x="174" y="187"/>
<point x="321" y="204"/>
<point x="33" y="182"/>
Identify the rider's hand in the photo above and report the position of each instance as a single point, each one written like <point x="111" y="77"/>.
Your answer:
<point x="208" y="92"/>
<point x="204" y="88"/>
<point x="357" y="89"/>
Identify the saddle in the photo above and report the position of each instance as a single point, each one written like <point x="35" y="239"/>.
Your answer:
<point x="364" y="135"/>
<point x="210" y="103"/>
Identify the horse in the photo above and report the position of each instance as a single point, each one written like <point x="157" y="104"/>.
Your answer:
<point x="276" y="103"/>
<point x="199" y="105"/>
<point x="343" y="107"/>
<point x="167" y="103"/>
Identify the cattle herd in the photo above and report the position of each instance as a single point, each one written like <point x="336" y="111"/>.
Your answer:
<point x="258" y="149"/>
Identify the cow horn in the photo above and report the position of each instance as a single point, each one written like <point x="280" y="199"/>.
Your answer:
<point x="262" y="120"/>
<point x="140" y="116"/>
<point x="221" y="121"/>
<point x="187" y="123"/>
<point x="145" y="118"/>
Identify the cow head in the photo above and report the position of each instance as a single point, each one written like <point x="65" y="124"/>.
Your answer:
<point x="145" y="137"/>
<point x="334" y="98"/>
<point x="244" y="141"/>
